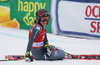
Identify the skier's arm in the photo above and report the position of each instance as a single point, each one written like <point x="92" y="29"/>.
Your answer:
<point x="35" y="32"/>
<point x="46" y="40"/>
<point x="47" y="47"/>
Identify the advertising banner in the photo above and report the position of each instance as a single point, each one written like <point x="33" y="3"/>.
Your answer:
<point x="21" y="13"/>
<point x="4" y="12"/>
<point x="77" y="18"/>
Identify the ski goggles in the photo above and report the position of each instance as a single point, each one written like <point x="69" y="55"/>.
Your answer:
<point x="43" y="14"/>
<point x="43" y="19"/>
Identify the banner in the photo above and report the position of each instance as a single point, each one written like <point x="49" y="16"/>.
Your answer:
<point x="22" y="12"/>
<point x="78" y="18"/>
<point x="85" y="1"/>
<point x="4" y="12"/>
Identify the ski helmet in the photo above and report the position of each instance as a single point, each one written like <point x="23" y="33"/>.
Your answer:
<point x="41" y="13"/>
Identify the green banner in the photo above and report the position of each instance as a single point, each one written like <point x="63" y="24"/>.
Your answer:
<point x="22" y="12"/>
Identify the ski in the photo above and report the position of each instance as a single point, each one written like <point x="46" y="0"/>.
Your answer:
<point x="84" y="57"/>
<point x="13" y="58"/>
<point x="68" y="56"/>
<point x="17" y="58"/>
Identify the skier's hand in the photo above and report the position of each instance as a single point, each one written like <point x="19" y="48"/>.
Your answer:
<point x="27" y="57"/>
<point x="45" y="46"/>
<point x="47" y="50"/>
<point x="27" y="54"/>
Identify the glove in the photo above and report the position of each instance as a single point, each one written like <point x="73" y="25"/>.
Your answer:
<point x="27" y="54"/>
<point x="47" y="46"/>
<point x="47" y="50"/>
<point x="27" y="57"/>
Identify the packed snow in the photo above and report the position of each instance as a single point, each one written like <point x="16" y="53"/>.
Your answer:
<point x="14" y="42"/>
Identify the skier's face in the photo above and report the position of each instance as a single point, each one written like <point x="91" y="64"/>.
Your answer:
<point x="44" y="21"/>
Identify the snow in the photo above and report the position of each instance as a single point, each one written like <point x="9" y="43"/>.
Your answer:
<point x="14" y="42"/>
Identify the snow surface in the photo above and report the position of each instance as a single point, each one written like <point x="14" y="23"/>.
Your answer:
<point x="14" y="42"/>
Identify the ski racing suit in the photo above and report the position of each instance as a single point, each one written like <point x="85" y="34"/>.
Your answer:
<point x="37" y="38"/>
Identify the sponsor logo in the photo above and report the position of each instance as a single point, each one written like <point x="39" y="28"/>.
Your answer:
<point x="92" y="13"/>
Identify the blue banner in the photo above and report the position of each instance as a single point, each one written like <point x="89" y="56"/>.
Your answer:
<point x="88" y="1"/>
<point x="78" y="18"/>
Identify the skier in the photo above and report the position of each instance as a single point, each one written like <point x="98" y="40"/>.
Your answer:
<point x="38" y="43"/>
